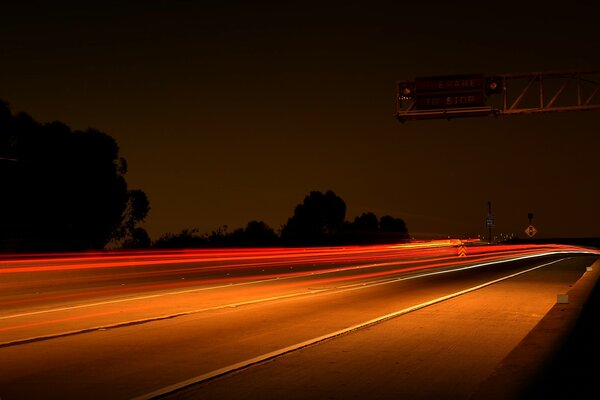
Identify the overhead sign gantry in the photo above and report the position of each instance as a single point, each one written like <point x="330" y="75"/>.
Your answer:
<point x="473" y="95"/>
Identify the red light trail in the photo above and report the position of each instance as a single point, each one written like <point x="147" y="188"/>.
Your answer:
<point x="52" y="284"/>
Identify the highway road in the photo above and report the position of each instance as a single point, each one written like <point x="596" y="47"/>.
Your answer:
<point x="419" y="318"/>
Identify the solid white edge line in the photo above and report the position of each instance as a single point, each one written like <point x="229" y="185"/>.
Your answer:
<point x="277" y="353"/>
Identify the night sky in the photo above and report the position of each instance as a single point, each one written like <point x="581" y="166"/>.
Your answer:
<point x="231" y="111"/>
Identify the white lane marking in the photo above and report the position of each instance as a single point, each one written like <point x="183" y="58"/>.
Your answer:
<point x="146" y="320"/>
<point x="277" y="353"/>
<point x="171" y="293"/>
<point x="452" y="269"/>
<point x="229" y="285"/>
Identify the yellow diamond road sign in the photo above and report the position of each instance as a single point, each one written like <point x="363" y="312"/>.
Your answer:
<point x="530" y="230"/>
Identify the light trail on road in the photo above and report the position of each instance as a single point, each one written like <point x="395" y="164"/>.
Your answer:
<point x="45" y="263"/>
<point x="42" y="284"/>
<point x="305" y="293"/>
<point x="125" y="273"/>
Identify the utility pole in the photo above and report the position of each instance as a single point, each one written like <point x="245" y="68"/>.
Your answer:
<point x="490" y="222"/>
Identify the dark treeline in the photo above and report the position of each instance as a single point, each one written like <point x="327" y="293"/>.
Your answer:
<point x="65" y="190"/>
<point x="318" y="221"/>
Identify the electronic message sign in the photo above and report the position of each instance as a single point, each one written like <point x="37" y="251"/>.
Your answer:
<point x="456" y="91"/>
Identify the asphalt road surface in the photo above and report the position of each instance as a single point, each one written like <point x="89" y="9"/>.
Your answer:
<point x="417" y="320"/>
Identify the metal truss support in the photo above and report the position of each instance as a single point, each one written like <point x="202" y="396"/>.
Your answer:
<point x="552" y="91"/>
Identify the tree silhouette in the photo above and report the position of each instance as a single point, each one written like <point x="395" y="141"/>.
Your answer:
<point x="316" y="220"/>
<point x="63" y="189"/>
<point x="187" y="238"/>
<point x="390" y="224"/>
<point x="395" y="228"/>
<point x="130" y="234"/>
<point x="366" y="221"/>
<point x="138" y="238"/>
<point x="256" y="234"/>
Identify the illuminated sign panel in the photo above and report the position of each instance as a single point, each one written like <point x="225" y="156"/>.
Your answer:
<point x="456" y="91"/>
<point x="457" y="83"/>
<point x="452" y="100"/>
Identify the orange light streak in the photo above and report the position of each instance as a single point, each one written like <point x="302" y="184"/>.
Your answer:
<point x="433" y="257"/>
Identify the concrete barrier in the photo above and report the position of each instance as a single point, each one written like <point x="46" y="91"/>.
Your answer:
<point x="562" y="298"/>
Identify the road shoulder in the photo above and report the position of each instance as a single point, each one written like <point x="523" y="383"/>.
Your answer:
<point x="550" y="361"/>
